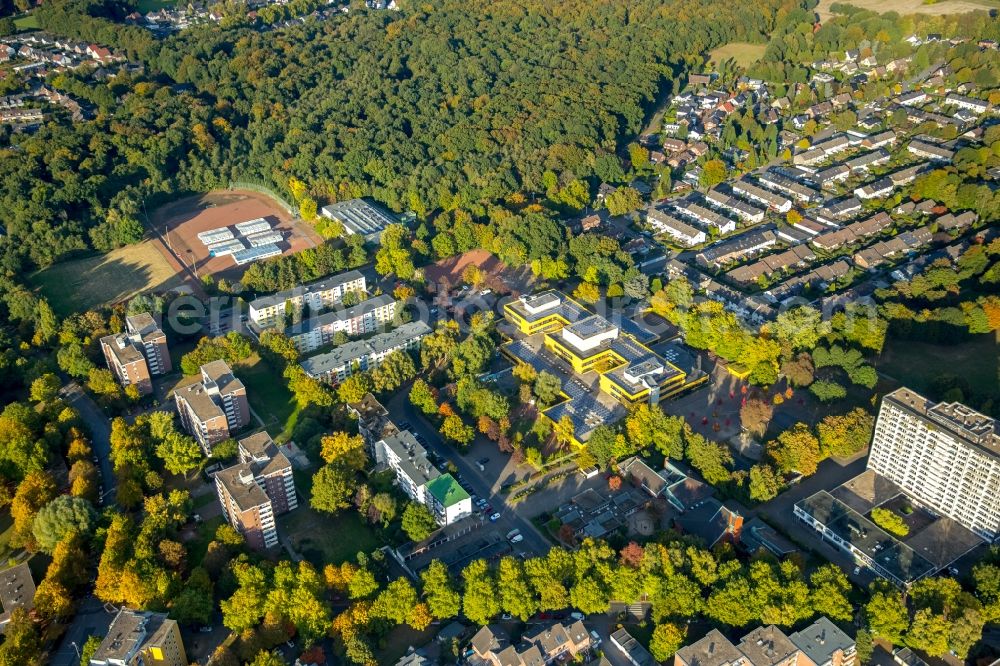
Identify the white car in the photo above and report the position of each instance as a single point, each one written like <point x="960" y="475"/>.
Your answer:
<point x="517" y="538"/>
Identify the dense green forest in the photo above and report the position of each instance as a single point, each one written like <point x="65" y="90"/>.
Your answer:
<point x="441" y="106"/>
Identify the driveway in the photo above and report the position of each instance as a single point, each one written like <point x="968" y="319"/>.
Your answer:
<point x="484" y="484"/>
<point x="100" y="433"/>
<point x="90" y="620"/>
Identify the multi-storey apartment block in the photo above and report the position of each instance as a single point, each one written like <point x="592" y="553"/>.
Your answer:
<point x="820" y="644"/>
<point x="213" y="407"/>
<point x="137" y="354"/>
<point x="344" y="360"/>
<point x="272" y="470"/>
<point x="141" y="638"/>
<point x="256" y="489"/>
<point x="945" y="456"/>
<point x="270" y="310"/>
<point x="420" y="480"/>
<point x="551" y="644"/>
<point x="361" y="319"/>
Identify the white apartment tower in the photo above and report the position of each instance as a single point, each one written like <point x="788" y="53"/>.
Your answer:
<point x="945" y="456"/>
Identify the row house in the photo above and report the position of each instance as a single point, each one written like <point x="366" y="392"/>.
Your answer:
<point x="699" y="213"/>
<point x="737" y="248"/>
<point x="931" y="151"/>
<point x="883" y="251"/>
<point x="952" y="222"/>
<point x="864" y="162"/>
<point x="664" y="223"/>
<point x="779" y="182"/>
<point x="878" y="189"/>
<point x="774" y="201"/>
<point x="740" y="208"/>
<point x="977" y="106"/>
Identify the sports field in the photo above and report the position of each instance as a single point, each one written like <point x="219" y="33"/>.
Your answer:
<point x="743" y="53"/>
<point x="80" y="284"/>
<point x="176" y="226"/>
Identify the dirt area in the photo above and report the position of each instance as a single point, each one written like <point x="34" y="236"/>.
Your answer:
<point x="177" y="225"/>
<point x="909" y="6"/>
<point x="81" y="284"/>
<point x="499" y="277"/>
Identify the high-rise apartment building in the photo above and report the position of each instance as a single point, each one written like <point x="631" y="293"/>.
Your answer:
<point x="141" y="638"/>
<point x="272" y="470"/>
<point x="945" y="456"/>
<point x="137" y="354"/>
<point x="213" y="407"/>
<point x="255" y="490"/>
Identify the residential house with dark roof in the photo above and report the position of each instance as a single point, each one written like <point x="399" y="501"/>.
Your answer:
<point x="712" y="521"/>
<point x="17" y="590"/>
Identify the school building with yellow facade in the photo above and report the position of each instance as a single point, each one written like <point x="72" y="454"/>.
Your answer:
<point x="627" y="370"/>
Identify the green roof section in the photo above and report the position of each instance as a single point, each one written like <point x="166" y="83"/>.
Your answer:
<point x="446" y="490"/>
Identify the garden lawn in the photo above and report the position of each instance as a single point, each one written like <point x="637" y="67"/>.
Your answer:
<point x="917" y="364"/>
<point x="198" y="546"/>
<point x="324" y="539"/>
<point x="268" y="394"/>
<point x="398" y="641"/>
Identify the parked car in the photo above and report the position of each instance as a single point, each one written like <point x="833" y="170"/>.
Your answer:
<point x="495" y="517"/>
<point x="404" y="425"/>
<point x="513" y="533"/>
<point x="518" y="538"/>
<point x="576" y="615"/>
<point x="595" y="638"/>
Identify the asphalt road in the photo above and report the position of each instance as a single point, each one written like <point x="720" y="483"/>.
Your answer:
<point x="534" y="542"/>
<point x="100" y="433"/>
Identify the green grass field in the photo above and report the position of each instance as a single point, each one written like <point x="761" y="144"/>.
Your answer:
<point x="904" y="7"/>
<point x="146" y="6"/>
<point x="26" y="22"/>
<point x="80" y="284"/>
<point x="268" y="394"/>
<point x="917" y="364"/>
<point x="744" y="53"/>
<point x="323" y="539"/>
<point x="198" y="546"/>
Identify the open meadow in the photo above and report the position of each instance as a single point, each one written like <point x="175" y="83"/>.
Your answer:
<point x="80" y="284"/>
<point x="910" y="6"/>
<point x="743" y="53"/>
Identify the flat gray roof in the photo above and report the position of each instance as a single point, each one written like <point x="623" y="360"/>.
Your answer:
<point x="360" y="216"/>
